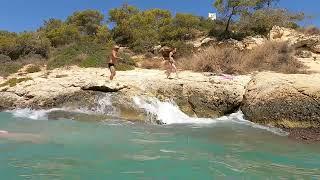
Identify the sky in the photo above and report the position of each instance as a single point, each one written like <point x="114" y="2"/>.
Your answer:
<point x="27" y="15"/>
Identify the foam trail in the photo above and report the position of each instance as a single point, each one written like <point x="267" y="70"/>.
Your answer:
<point x="239" y="118"/>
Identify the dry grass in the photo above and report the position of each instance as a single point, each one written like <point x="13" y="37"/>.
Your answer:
<point x="10" y="67"/>
<point x="152" y="64"/>
<point x="311" y="30"/>
<point x="272" y="56"/>
<point x="14" y="81"/>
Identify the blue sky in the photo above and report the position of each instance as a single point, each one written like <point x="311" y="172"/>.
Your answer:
<point x="20" y="15"/>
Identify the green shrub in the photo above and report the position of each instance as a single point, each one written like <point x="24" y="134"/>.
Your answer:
<point x="260" y="22"/>
<point x="17" y="46"/>
<point x="183" y="49"/>
<point x="87" y="21"/>
<point x="88" y="54"/>
<point x="125" y="64"/>
<point x="84" y="54"/>
<point x="65" y="34"/>
<point x="103" y="35"/>
<point x="124" y="67"/>
<point x="33" y="68"/>
<point x="8" y="42"/>
<point x="14" y="81"/>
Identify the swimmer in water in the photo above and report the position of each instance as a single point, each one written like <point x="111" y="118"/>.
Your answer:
<point x="3" y="132"/>
<point x="21" y="136"/>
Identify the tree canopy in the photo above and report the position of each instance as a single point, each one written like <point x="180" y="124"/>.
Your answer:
<point x="87" y="21"/>
<point x="141" y="30"/>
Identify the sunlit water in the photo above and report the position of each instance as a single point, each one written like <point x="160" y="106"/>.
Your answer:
<point x="225" y="148"/>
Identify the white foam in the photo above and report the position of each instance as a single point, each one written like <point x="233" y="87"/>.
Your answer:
<point x="103" y="106"/>
<point x="143" y="157"/>
<point x="33" y="114"/>
<point x="165" y="112"/>
<point x="168" y="112"/>
<point x="167" y="151"/>
<point x="239" y="118"/>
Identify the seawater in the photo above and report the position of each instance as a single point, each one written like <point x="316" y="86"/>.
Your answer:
<point x="230" y="147"/>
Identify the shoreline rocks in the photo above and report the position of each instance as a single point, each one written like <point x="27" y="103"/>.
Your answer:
<point x="195" y="93"/>
<point x="290" y="102"/>
<point x="285" y="101"/>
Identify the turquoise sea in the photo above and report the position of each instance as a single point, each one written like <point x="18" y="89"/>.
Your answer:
<point x="229" y="148"/>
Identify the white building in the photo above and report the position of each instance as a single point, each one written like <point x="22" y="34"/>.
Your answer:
<point x="212" y="16"/>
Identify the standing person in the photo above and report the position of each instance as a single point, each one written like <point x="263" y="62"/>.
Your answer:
<point x="113" y="60"/>
<point x="172" y="67"/>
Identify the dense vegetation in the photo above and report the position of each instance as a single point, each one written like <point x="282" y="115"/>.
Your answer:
<point x="85" y="38"/>
<point x="252" y="17"/>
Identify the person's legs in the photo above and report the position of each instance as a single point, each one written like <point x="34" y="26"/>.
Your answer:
<point x="113" y="72"/>
<point x="167" y="68"/>
<point x="170" y="69"/>
<point x="174" y="69"/>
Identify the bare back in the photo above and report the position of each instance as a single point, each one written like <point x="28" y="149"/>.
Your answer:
<point x="113" y="57"/>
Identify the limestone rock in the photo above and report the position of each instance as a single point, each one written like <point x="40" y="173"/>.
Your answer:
<point x="252" y="42"/>
<point x="8" y="100"/>
<point x="304" y="54"/>
<point x="205" y="96"/>
<point x="316" y="48"/>
<point x="203" y="42"/>
<point x="289" y="101"/>
<point x="213" y="97"/>
<point x="295" y="38"/>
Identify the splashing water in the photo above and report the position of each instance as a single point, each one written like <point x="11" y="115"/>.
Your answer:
<point x="164" y="112"/>
<point x="34" y="114"/>
<point x="103" y="107"/>
<point x="169" y="113"/>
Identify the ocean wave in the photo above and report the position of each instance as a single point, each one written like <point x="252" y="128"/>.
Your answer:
<point x="169" y="114"/>
<point x="166" y="112"/>
<point x="33" y="114"/>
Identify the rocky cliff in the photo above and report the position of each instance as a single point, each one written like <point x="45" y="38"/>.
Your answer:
<point x="195" y="93"/>
<point x="286" y="101"/>
<point x="281" y="100"/>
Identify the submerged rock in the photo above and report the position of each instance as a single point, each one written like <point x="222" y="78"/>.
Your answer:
<point x="286" y="101"/>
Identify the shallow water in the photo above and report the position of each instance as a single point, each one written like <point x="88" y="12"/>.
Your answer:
<point x="114" y="149"/>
